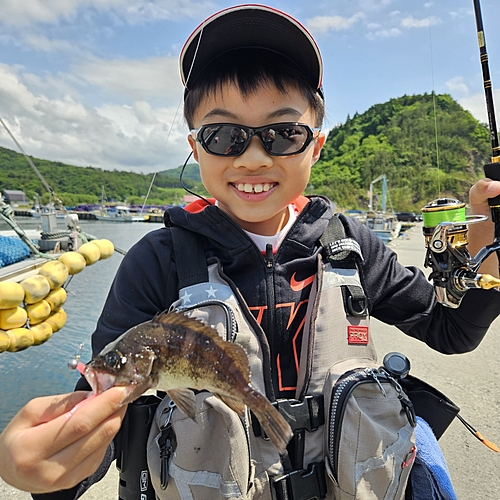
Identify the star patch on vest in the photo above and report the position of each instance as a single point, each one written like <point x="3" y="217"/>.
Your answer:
<point x="357" y="335"/>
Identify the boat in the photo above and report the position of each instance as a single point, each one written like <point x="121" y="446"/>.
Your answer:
<point x="39" y="209"/>
<point x="383" y="223"/>
<point x="118" y="213"/>
<point x="35" y="268"/>
<point x="154" y="215"/>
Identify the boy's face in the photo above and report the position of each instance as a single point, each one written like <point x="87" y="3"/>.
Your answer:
<point x="255" y="188"/>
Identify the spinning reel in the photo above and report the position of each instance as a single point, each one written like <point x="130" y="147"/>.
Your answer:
<point x="454" y="270"/>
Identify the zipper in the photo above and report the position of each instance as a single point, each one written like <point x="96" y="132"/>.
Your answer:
<point x="271" y="298"/>
<point x="341" y="391"/>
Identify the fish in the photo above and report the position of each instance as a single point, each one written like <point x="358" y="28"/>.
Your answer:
<point x="178" y="354"/>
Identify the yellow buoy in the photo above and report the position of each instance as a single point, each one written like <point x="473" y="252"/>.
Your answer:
<point x="91" y="253"/>
<point x="4" y="341"/>
<point x="57" y="320"/>
<point x="56" y="298"/>
<point x="38" y="311"/>
<point x="35" y="288"/>
<point x="14" y="317"/>
<point x="20" y="338"/>
<point x="74" y="261"/>
<point x="105" y="247"/>
<point x="41" y="333"/>
<point x="11" y="294"/>
<point x="55" y="272"/>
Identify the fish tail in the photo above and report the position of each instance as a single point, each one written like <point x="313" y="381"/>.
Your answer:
<point x="275" y="426"/>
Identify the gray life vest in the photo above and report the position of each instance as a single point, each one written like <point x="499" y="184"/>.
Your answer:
<point x="221" y="455"/>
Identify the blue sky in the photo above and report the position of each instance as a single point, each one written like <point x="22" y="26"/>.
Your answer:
<point x="96" y="82"/>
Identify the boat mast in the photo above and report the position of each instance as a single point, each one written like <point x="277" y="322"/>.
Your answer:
<point x="383" y="178"/>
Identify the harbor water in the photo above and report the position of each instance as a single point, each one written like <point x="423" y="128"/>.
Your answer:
<point x="43" y="370"/>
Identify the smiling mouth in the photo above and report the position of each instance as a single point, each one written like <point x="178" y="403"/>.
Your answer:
<point x="254" y="188"/>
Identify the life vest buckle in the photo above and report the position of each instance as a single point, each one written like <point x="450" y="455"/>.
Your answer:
<point x="303" y="484"/>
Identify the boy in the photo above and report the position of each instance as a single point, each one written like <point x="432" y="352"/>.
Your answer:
<point x="254" y="107"/>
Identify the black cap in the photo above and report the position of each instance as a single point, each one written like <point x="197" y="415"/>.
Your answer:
<point x="251" y="26"/>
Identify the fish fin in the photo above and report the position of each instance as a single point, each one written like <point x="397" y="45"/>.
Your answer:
<point x="185" y="400"/>
<point x="275" y="426"/>
<point x="233" y="403"/>
<point x="235" y="351"/>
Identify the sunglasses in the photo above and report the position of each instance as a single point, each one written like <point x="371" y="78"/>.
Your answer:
<point x="278" y="139"/>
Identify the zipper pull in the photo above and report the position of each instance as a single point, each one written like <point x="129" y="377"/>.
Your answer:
<point x="269" y="256"/>
<point x="374" y="375"/>
<point x="166" y="446"/>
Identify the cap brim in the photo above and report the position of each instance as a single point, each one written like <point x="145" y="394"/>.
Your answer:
<point x="250" y="26"/>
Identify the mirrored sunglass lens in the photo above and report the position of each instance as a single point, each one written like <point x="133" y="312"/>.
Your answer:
<point x="284" y="140"/>
<point x="224" y="139"/>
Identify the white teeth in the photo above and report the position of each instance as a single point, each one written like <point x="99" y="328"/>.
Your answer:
<point x="257" y="188"/>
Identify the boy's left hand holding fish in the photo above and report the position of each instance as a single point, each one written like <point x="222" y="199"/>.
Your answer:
<point x="48" y="446"/>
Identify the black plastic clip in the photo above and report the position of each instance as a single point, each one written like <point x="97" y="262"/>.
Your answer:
<point x="166" y="446"/>
<point x="302" y="484"/>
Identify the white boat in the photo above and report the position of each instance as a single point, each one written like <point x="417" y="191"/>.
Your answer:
<point x="383" y="223"/>
<point x="38" y="210"/>
<point x="385" y="226"/>
<point x="118" y="214"/>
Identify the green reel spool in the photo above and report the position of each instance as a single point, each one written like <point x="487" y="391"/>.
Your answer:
<point x="443" y="210"/>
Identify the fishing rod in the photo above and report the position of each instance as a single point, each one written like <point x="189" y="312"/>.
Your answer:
<point x="454" y="270"/>
<point x="491" y="170"/>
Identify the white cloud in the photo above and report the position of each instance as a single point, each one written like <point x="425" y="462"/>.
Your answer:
<point x="324" y="24"/>
<point x="387" y="33"/>
<point x="411" y="22"/>
<point x="476" y="104"/>
<point x="462" y="12"/>
<point x="457" y="85"/>
<point x="41" y="43"/>
<point x="123" y="137"/>
<point x="27" y="12"/>
<point x="137" y="79"/>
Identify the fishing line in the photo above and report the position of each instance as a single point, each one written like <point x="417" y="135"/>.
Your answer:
<point x="176" y="114"/>
<point x="434" y="106"/>
<point x="40" y="176"/>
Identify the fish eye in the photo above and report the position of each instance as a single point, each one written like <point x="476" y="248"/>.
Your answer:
<point x="114" y="360"/>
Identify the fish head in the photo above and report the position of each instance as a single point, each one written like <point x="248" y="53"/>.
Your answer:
<point x="116" y="366"/>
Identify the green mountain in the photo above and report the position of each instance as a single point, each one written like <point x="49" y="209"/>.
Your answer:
<point x="75" y="185"/>
<point x="427" y="147"/>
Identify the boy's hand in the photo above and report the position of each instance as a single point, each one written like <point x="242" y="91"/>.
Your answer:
<point x="50" y="445"/>
<point x="482" y="234"/>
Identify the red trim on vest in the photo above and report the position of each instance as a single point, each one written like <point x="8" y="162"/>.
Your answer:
<point x="357" y="335"/>
<point x="198" y="205"/>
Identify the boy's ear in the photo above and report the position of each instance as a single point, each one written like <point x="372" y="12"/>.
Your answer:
<point x="192" y="143"/>
<point x="318" y="146"/>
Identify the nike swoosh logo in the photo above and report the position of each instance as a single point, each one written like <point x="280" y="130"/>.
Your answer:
<point x="297" y="286"/>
